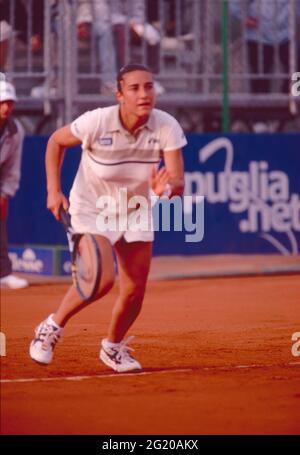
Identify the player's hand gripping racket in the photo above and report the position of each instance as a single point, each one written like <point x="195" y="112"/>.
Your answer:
<point x="86" y="264"/>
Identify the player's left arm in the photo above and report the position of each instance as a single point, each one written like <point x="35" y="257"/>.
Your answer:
<point x="175" y="167"/>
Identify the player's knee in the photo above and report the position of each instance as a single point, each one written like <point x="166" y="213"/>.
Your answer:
<point x="134" y="294"/>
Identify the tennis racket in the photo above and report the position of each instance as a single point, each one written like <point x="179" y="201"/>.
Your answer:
<point x="86" y="263"/>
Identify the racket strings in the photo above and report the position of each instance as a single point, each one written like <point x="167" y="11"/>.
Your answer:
<point x="85" y="259"/>
<point x="86" y="264"/>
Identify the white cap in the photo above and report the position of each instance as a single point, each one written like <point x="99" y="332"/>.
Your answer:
<point x="7" y="91"/>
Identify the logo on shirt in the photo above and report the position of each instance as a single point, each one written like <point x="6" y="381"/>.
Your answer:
<point x="105" y="141"/>
<point x="153" y="140"/>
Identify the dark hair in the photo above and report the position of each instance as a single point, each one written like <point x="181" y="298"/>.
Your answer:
<point x="128" y="69"/>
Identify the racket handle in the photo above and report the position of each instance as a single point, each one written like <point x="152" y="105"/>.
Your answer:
<point x="64" y="217"/>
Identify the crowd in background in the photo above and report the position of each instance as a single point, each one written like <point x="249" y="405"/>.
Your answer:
<point x="117" y="26"/>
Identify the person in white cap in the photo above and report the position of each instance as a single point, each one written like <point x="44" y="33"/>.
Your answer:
<point x="11" y="141"/>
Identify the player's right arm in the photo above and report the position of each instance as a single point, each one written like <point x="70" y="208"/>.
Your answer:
<point x="58" y="142"/>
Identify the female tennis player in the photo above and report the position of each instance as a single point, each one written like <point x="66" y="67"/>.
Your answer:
<point x="120" y="146"/>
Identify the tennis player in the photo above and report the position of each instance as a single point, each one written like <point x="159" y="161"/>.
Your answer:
<point x="120" y="146"/>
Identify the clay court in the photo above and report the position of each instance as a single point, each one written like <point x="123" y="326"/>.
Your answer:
<point x="216" y="354"/>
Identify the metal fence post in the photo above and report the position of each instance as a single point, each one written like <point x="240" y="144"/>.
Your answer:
<point x="225" y="111"/>
<point x="47" y="57"/>
<point x="70" y="70"/>
<point x="292" y="53"/>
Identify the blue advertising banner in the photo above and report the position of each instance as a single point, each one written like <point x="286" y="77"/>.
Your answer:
<point x="64" y="262"/>
<point x="251" y="189"/>
<point x="250" y="184"/>
<point x="32" y="259"/>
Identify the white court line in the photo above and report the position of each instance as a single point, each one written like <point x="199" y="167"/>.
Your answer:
<point x="144" y="373"/>
<point x="96" y="376"/>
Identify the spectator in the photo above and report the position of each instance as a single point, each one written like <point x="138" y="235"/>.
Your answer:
<point x="267" y="28"/>
<point x="20" y="21"/>
<point x="40" y="91"/>
<point x="98" y="13"/>
<point x="11" y="141"/>
<point x="109" y="22"/>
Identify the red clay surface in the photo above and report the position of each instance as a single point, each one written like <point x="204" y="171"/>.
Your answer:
<point x="216" y="353"/>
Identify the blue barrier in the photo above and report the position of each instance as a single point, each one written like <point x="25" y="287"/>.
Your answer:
<point x="38" y="260"/>
<point x="64" y="262"/>
<point x="250" y="183"/>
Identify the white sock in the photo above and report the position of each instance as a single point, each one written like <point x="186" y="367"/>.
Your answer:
<point x="52" y="322"/>
<point x="109" y="344"/>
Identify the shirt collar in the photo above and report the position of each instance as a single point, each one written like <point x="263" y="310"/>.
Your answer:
<point x="116" y="125"/>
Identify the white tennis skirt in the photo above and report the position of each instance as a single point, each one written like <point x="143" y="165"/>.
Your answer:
<point x="134" y="227"/>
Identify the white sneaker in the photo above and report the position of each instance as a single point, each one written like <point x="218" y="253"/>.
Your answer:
<point x="117" y="356"/>
<point x="13" y="282"/>
<point x="46" y="336"/>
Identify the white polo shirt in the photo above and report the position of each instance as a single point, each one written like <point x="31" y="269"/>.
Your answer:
<point x="112" y="158"/>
